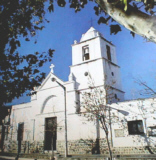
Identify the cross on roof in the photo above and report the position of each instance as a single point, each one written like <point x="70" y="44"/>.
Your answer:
<point x="52" y="68"/>
<point x="91" y="22"/>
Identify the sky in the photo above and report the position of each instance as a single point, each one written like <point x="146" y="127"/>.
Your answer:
<point x="136" y="56"/>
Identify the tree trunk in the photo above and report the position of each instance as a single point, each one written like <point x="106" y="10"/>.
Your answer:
<point x="103" y="123"/>
<point x="134" y="20"/>
<point x="108" y="144"/>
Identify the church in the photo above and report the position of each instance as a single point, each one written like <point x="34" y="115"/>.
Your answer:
<point x="52" y="120"/>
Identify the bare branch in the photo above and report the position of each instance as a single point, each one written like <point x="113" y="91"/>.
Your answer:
<point x="147" y="89"/>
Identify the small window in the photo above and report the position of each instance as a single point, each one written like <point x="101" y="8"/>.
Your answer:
<point x="112" y="73"/>
<point x="135" y="127"/>
<point x="85" y="51"/>
<point x="108" y="53"/>
<point x="152" y="131"/>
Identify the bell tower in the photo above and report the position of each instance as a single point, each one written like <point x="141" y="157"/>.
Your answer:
<point x="97" y="56"/>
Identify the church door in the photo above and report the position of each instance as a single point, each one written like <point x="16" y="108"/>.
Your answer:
<point x="50" y="133"/>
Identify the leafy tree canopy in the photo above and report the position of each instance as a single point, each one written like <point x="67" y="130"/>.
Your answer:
<point x="23" y="18"/>
<point x="20" y="18"/>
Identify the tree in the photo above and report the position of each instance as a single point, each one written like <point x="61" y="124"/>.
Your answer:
<point x="20" y="18"/>
<point x="147" y="91"/>
<point x="132" y="17"/>
<point x="96" y="110"/>
<point x="94" y="107"/>
<point x="128" y="13"/>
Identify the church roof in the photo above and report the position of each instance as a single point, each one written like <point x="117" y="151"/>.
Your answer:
<point x="91" y="33"/>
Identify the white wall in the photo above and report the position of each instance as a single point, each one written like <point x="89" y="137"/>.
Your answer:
<point x="138" y="110"/>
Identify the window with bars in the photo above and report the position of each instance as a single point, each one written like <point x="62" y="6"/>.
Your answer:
<point x="135" y="127"/>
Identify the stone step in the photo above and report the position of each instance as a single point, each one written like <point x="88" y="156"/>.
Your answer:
<point x="32" y="155"/>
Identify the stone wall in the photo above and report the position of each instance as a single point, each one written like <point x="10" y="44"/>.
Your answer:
<point x="133" y="150"/>
<point x="77" y="147"/>
<point x="26" y="147"/>
<point x="82" y="146"/>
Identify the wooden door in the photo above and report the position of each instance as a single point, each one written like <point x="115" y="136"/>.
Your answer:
<point x="20" y="134"/>
<point x="50" y="133"/>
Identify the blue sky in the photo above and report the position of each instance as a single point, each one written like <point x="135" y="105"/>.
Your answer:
<point x="136" y="56"/>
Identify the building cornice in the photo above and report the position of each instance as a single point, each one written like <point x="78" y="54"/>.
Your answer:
<point x="117" y="89"/>
<point x="65" y="83"/>
<point x="22" y="107"/>
<point x="92" y="39"/>
<point x="88" y="61"/>
<point x="49" y="113"/>
<point x="79" y="90"/>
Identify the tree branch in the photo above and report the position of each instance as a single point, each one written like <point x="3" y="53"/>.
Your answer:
<point x="134" y="20"/>
<point x="148" y="90"/>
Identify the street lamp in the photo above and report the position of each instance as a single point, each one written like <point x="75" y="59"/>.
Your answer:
<point x="65" y="114"/>
<point x="125" y="113"/>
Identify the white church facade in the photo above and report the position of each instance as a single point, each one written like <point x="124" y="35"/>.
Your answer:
<point x="52" y="118"/>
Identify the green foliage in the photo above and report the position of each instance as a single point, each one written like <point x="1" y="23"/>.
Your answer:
<point x="147" y="4"/>
<point x="125" y="4"/>
<point x="133" y="34"/>
<point x="20" y="18"/>
<point x="103" y="20"/>
<point x="115" y="29"/>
